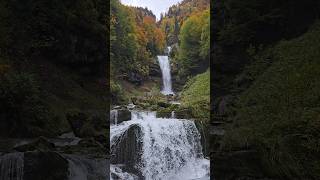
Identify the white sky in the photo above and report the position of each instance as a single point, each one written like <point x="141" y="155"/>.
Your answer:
<point x="156" y="6"/>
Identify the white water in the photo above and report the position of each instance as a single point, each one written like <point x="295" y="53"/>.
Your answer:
<point x="114" y="116"/>
<point x="171" y="148"/>
<point x="82" y="168"/>
<point x="11" y="166"/>
<point x="166" y="75"/>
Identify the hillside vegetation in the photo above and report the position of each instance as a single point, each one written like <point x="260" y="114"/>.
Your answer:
<point x="266" y="93"/>
<point x="52" y="61"/>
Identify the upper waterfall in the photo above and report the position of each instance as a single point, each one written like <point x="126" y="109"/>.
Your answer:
<point x="166" y="75"/>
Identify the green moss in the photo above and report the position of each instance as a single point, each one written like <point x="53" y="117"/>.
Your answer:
<point x="196" y="95"/>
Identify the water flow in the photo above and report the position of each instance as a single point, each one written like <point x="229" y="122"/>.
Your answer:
<point x="166" y="75"/>
<point x="171" y="147"/>
<point x="82" y="168"/>
<point x="114" y="116"/>
<point x="11" y="166"/>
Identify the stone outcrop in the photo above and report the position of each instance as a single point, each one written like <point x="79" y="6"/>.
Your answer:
<point x="127" y="150"/>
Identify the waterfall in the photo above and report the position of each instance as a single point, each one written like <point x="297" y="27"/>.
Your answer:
<point x="114" y="116"/>
<point x="83" y="168"/>
<point x="166" y="75"/>
<point x="171" y="148"/>
<point x="173" y="114"/>
<point x="11" y="166"/>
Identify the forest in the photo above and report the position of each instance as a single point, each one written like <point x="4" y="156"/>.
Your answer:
<point x="265" y="89"/>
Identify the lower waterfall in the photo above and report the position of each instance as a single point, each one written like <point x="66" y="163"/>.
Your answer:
<point x="11" y="166"/>
<point x="171" y="149"/>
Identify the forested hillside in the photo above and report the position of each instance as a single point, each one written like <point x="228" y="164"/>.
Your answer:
<point x="172" y="21"/>
<point x="137" y="39"/>
<point x="265" y="93"/>
<point x="52" y="61"/>
<point x="135" y="42"/>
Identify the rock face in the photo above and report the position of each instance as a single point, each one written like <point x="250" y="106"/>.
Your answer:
<point x="118" y="116"/>
<point x="154" y="70"/>
<point x="124" y="115"/>
<point x="127" y="149"/>
<point x="45" y="165"/>
<point x="40" y="143"/>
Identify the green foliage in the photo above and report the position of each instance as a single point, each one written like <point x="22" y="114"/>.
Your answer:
<point x="279" y="113"/>
<point x="117" y="94"/>
<point x="196" y="95"/>
<point x="172" y="21"/>
<point x="195" y="44"/>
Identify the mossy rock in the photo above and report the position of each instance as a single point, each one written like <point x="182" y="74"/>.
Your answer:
<point x="183" y="113"/>
<point x="163" y="104"/>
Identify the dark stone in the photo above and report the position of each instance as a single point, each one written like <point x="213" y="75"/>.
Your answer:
<point x="204" y="132"/>
<point x="77" y="121"/>
<point x="154" y="70"/>
<point x="40" y="143"/>
<point x="127" y="150"/>
<point x="163" y="104"/>
<point x="45" y="165"/>
<point x="124" y="115"/>
<point x="135" y="78"/>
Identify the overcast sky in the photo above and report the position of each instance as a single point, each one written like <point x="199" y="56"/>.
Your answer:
<point x="156" y="6"/>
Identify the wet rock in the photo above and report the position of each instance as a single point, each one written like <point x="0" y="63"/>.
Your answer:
<point x="45" y="165"/>
<point x="40" y="143"/>
<point x="127" y="150"/>
<point x="205" y="135"/>
<point x="124" y="115"/>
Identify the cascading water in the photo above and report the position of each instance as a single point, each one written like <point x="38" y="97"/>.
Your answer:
<point x="166" y="75"/>
<point x="114" y="116"/>
<point x="171" y="148"/>
<point x="11" y="166"/>
<point x="83" y="168"/>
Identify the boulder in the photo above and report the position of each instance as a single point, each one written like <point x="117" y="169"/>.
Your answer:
<point x="127" y="149"/>
<point x="41" y="144"/>
<point x="77" y="120"/>
<point x="124" y="115"/>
